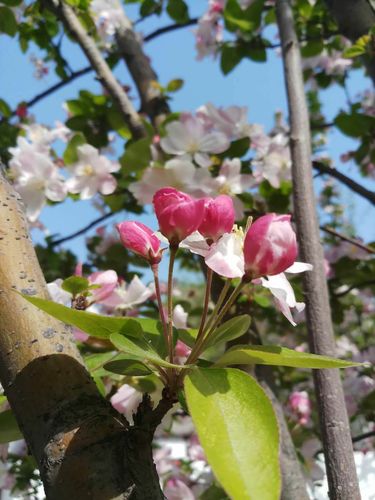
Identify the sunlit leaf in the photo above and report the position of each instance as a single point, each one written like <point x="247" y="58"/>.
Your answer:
<point x="238" y="430"/>
<point x="279" y="356"/>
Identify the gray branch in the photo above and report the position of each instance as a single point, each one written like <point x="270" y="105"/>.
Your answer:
<point x="341" y="473"/>
<point x="153" y="103"/>
<point x="103" y="71"/>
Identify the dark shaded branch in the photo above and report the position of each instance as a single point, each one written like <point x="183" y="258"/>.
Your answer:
<point x="83" y="230"/>
<point x="363" y="284"/>
<point x="168" y="28"/>
<point x="334" y="424"/>
<point x="353" y="185"/>
<point x="343" y="237"/>
<point x="103" y="71"/>
<point x="153" y="102"/>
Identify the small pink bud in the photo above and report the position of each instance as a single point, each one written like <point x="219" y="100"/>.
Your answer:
<point x="270" y="246"/>
<point x="178" y="214"/>
<point x="218" y="217"/>
<point x="141" y="240"/>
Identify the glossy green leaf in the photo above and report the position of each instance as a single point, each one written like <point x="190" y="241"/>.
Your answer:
<point x="279" y="356"/>
<point x="122" y="365"/>
<point x="93" y="324"/>
<point x="9" y="430"/>
<point x="70" y="154"/>
<point x="140" y="349"/>
<point x="8" y="22"/>
<point x="244" y="19"/>
<point x="231" y="55"/>
<point x="355" y="124"/>
<point x="178" y="10"/>
<point x="137" y="155"/>
<point x="96" y="361"/>
<point x="231" y="329"/>
<point x="188" y="336"/>
<point x="238" y="430"/>
<point x="75" y="284"/>
<point x="174" y="85"/>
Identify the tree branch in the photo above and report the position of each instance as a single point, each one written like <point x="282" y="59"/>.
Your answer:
<point x="153" y="102"/>
<point x="168" y="28"/>
<point x="353" y="185"/>
<point x="83" y="230"/>
<point x="343" y="237"/>
<point x="334" y="424"/>
<point x="103" y="71"/>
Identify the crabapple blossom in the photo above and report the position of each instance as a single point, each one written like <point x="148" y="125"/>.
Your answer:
<point x="300" y="405"/>
<point x="126" y="400"/>
<point x="270" y="246"/>
<point x="141" y="240"/>
<point x="92" y="173"/>
<point x="35" y="177"/>
<point x="188" y="137"/>
<point x="230" y="181"/>
<point x="272" y="161"/>
<point x="108" y="15"/>
<point x="126" y="296"/>
<point x="175" y="489"/>
<point x="226" y="256"/>
<point x="107" y="282"/>
<point x="218" y="217"/>
<point x="209" y="33"/>
<point x="178" y="214"/>
<point x="179" y="317"/>
<point x="232" y="121"/>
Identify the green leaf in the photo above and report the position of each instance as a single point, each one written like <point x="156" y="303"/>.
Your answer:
<point x="9" y="430"/>
<point x="70" y="154"/>
<point x="231" y="55"/>
<point x="238" y="430"/>
<point x="5" y="109"/>
<point x="137" y="155"/>
<point x="279" y="356"/>
<point x="175" y="85"/>
<point x="214" y="492"/>
<point x="8" y="22"/>
<point x="188" y="336"/>
<point x="75" y="284"/>
<point x="140" y="349"/>
<point x="355" y="124"/>
<point x="243" y="19"/>
<point x="93" y="324"/>
<point x="125" y="366"/>
<point x="96" y="361"/>
<point x="237" y="149"/>
<point x="178" y="10"/>
<point x="231" y="329"/>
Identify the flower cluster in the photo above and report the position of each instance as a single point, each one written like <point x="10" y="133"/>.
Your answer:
<point x="205" y="226"/>
<point x="38" y="177"/>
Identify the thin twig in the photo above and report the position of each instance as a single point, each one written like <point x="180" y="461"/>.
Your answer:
<point x="353" y="185"/>
<point x="170" y="27"/>
<point x="83" y="230"/>
<point x="363" y="284"/>
<point x="343" y="237"/>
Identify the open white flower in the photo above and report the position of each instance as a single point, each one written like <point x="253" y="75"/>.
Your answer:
<point x="35" y="177"/>
<point x="189" y="138"/>
<point x="92" y="173"/>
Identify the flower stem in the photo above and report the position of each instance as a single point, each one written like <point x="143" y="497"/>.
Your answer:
<point x="173" y="250"/>
<point x="155" y="271"/>
<point x="200" y="345"/>
<point x="206" y="302"/>
<point x="219" y="303"/>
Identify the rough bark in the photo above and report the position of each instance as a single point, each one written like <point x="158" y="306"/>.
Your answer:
<point x="153" y="103"/>
<point x="355" y="18"/>
<point x="84" y="448"/>
<point x="71" y="22"/>
<point x="342" y="479"/>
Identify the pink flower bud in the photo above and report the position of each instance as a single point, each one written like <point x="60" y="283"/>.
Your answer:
<point x="141" y="240"/>
<point x="218" y="217"/>
<point x="270" y="246"/>
<point x="178" y="214"/>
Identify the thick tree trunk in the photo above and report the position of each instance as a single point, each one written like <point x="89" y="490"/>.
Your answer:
<point x="83" y="447"/>
<point x="342" y="479"/>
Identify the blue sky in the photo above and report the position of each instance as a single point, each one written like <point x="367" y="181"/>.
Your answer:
<point x="260" y="87"/>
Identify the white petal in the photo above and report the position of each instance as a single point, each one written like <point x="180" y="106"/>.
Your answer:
<point x="299" y="267"/>
<point x="226" y="256"/>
